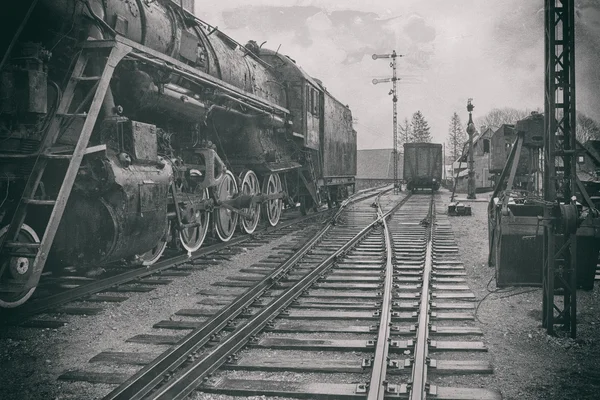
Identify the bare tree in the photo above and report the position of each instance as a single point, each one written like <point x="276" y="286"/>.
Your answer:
<point x="420" y="128"/>
<point x="587" y="128"/>
<point x="506" y="115"/>
<point x="456" y="137"/>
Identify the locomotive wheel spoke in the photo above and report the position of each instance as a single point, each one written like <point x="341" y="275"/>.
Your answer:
<point x="251" y="187"/>
<point x="272" y="185"/>
<point x="192" y="238"/>
<point x="19" y="268"/>
<point x="226" y="220"/>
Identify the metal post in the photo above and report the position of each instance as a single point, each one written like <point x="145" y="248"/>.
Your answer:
<point x="395" y="118"/>
<point x="393" y="79"/>
<point x="559" y="166"/>
<point x="444" y="161"/>
<point x="471" y="132"/>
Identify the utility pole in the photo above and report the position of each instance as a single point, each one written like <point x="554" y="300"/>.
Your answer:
<point x="393" y="79"/>
<point x="471" y="132"/>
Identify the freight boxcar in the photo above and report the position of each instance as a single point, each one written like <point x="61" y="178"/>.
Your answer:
<point x="422" y="165"/>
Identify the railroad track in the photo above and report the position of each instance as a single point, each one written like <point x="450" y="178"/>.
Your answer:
<point x="55" y="294"/>
<point x="348" y="307"/>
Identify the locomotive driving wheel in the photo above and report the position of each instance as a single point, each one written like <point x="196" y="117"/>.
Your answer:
<point x="153" y="255"/>
<point x="225" y="219"/>
<point x="250" y="187"/>
<point x="272" y="208"/>
<point x="18" y="267"/>
<point x="192" y="238"/>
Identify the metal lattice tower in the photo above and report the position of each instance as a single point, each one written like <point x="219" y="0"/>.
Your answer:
<point x="392" y="92"/>
<point x="559" y="167"/>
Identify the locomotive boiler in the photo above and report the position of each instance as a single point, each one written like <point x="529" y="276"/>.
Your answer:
<point x="130" y="125"/>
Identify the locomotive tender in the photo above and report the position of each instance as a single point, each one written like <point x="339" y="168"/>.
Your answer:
<point x="422" y="166"/>
<point x="130" y="125"/>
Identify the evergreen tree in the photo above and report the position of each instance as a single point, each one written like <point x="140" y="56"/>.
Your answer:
<point x="456" y="137"/>
<point x="404" y="133"/>
<point x="420" y="128"/>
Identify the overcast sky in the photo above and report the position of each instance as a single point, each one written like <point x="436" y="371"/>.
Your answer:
<point x="489" y="50"/>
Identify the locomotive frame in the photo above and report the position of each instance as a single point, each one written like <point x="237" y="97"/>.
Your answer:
<point x="119" y="163"/>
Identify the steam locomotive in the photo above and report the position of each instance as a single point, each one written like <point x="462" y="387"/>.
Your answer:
<point x="127" y="126"/>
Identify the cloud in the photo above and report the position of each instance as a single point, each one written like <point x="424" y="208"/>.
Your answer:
<point x="418" y="31"/>
<point x="492" y="51"/>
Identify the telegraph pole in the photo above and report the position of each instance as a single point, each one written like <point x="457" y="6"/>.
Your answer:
<point x="471" y="132"/>
<point x="393" y="79"/>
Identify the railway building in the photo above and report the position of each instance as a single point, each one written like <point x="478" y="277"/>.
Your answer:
<point x="376" y="167"/>
<point x="482" y="145"/>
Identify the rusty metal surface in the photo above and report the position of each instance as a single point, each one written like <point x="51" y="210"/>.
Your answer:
<point x="533" y="128"/>
<point x="301" y="97"/>
<point x="144" y="141"/>
<point x="516" y="243"/>
<point x="422" y="162"/>
<point x="338" y="139"/>
<point x="129" y="218"/>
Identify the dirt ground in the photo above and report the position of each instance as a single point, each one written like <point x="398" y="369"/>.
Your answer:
<point x="528" y="363"/>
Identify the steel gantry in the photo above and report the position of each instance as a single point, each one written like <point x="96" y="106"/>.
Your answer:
<point x="393" y="92"/>
<point x="560" y="179"/>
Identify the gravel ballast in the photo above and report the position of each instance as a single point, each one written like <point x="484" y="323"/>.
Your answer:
<point x="529" y="364"/>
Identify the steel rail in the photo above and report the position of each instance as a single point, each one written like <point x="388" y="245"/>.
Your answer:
<point x="377" y="386"/>
<point x="46" y="303"/>
<point x="145" y="380"/>
<point x="418" y="387"/>
<point x="187" y="381"/>
<point x="384" y="189"/>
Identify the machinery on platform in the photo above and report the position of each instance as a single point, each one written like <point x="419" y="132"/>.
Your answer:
<point x="562" y="224"/>
<point x="128" y="126"/>
<point x="422" y="166"/>
<point x="516" y="219"/>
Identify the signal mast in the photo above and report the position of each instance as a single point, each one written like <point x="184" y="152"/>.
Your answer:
<point x="393" y="79"/>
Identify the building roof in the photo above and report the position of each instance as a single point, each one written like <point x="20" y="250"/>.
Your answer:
<point x="377" y="164"/>
<point x="486" y="134"/>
